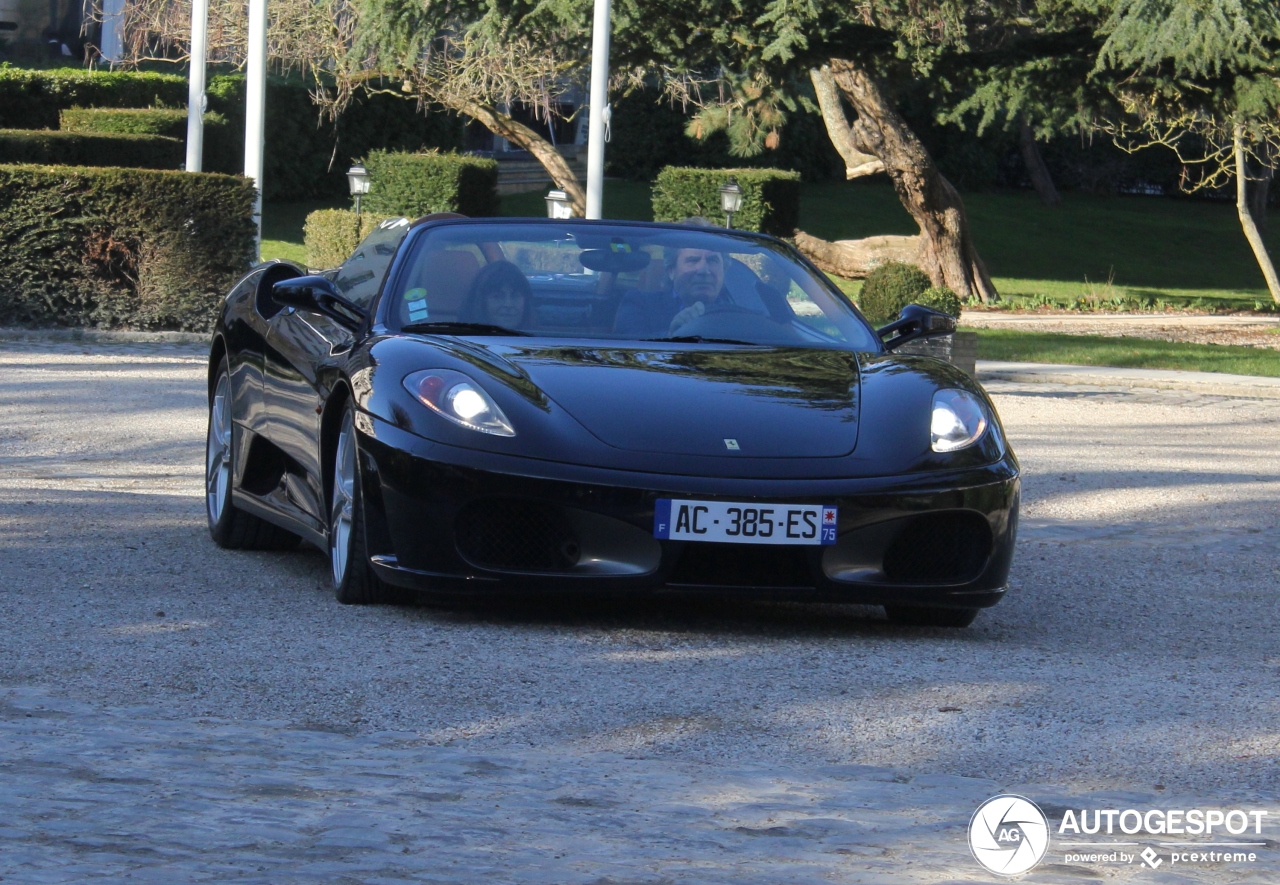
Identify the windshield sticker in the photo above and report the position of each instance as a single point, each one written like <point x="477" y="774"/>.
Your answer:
<point x="417" y="298"/>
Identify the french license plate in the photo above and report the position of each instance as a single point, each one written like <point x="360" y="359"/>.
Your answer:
<point x="732" y="523"/>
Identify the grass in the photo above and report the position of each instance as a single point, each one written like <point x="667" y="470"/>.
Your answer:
<point x="1108" y="252"/>
<point x="1137" y="353"/>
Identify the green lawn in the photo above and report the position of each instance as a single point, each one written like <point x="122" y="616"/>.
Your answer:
<point x="1181" y="252"/>
<point x="1139" y="353"/>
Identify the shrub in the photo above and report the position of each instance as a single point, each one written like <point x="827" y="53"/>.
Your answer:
<point x="889" y="288"/>
<point x="940" y="298"/>
<point x="770" y="197"/>
<point x="419" y="184"/>
<point x="32" y="99"/>
<point x="54" y="148"/>
<point x="120" y="247"/>
<point x="331" y="235"/>
<point x="169" y="122"/>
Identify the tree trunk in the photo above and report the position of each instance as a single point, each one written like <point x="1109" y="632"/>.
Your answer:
<point x="1262" y="187"/>
<point x="1036" y="169"/>
<point x="854" y="259"/>
<point x="947" y="255"/>
<point x="1246" y="217"/>
<point x="543" y="151"/>
<point x="856" y="163"/>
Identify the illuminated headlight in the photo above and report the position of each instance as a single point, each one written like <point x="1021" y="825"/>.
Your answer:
<point x="456" y="397"/>
<point x="958" y="420"/>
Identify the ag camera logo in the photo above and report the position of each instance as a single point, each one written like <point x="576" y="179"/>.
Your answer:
<point x="1008" y="835"/>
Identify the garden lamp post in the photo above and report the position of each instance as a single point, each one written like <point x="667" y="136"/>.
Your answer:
<point x="358" y="180"/>
<point x="730" y="200"/>
<point x="558" y="205"/>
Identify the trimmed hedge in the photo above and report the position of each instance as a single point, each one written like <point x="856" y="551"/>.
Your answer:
<point x="129" y="248"/>
<point x="331" y="235"/>
<point x="413" y="185"/>
<point x="306" y="158"/>
<point x="169" y="122"/>
<point x="891" y="287"/>
<point x="54" y="148"/>
<point x="770" y="197"/>
<point x="32" y="99"/>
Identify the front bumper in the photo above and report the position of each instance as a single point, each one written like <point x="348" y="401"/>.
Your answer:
<point x="448" y="519"/>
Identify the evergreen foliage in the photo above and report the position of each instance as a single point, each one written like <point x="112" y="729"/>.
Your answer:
<point x="32" y="99"/>
<point x="306" y="157"/>
<point x="170" y="122"/>
<point x="54" y="148"/>
<point x="331" y="235"/>
<point x="770" y="197"/>
<point x="127" y="248"/>
<point x="891" y="287"/>
<point x="416" y="184"/>
<point x="649" y="132"/>
<point x="939" y="298"/>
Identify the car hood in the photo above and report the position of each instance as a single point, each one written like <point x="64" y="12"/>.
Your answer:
<point x="769" y="402"/>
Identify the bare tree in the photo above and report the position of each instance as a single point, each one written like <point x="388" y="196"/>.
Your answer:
<point x="1215" y="151"/>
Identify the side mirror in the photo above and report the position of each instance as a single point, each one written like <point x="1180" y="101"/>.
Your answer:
<point x="914" y="322"/>
<point x="319" y="294"/>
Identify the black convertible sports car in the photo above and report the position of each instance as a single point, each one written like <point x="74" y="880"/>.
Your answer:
<point x="470" y="405"/>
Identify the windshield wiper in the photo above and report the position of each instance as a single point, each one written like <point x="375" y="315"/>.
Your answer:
<point x="700" y="339"/>
<point x="456" y="328"/>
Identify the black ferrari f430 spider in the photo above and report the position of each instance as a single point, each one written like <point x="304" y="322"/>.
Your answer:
<point x="479" y="405"/>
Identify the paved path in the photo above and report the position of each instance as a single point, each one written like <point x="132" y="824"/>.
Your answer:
<point x="1216" y="386"/>
<point x="1241" y="330"/>
<point x="177" y="713"/>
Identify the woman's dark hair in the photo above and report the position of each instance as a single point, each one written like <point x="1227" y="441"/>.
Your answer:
<point x="492" y="277"/>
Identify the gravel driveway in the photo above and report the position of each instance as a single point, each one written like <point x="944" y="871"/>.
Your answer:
<point x="1137" y="650"/>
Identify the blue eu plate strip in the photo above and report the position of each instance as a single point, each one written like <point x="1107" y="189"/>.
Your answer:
<point x="662" y="518"/>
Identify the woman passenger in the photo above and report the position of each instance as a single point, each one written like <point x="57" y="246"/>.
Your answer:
<point x="499" y="296"/>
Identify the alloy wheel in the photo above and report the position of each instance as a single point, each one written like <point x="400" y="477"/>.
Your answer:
<point x="342" y="512"/>
<point x="218" y="450"/>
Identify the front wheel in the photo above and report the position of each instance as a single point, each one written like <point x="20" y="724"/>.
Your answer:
<point x="930" y="616"/>
<point x="354" y="580"/>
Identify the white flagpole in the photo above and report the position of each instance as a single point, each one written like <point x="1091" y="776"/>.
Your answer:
<point x="196" y="85"/>
<point x="255" y="107"/>
<point x="599" y="109"/>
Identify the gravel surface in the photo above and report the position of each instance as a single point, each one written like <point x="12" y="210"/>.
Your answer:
<point x="1137" y="647"/>
<point x="1245" y="330"/>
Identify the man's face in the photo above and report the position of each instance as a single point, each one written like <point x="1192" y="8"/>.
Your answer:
<point x="698" y="275"/>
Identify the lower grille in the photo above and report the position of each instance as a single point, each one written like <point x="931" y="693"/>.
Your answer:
<point x="939" y="548"/>
<point x="514" y="535"/>
<point x="745" y="565"/>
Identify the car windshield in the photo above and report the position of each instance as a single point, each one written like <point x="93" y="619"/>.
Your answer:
<point x="568" y="279"/>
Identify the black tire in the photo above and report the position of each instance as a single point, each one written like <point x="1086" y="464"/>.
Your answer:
<point x="354" y="580"/>
<point x="930" y="616"/>
<point x="229" y="526"/>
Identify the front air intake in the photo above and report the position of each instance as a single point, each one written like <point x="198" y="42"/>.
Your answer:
<point x="939" y="548"/>
<point x="507" y="534"/>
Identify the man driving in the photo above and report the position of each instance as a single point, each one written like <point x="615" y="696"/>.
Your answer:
<point x="696" y="278"/>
